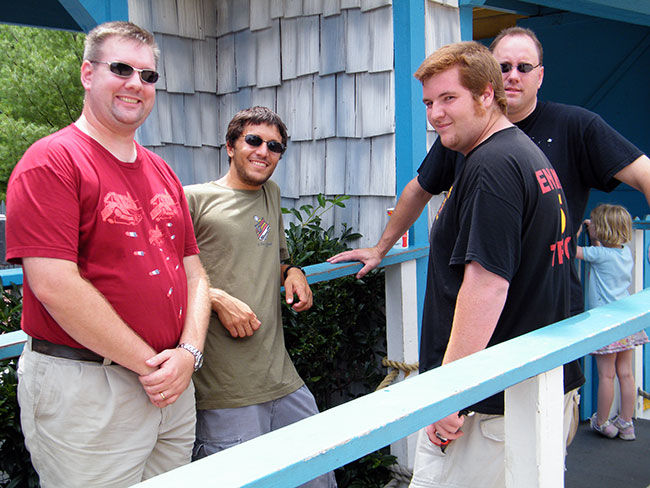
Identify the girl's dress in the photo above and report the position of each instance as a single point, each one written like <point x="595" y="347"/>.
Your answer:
<point x="609" y="279"/>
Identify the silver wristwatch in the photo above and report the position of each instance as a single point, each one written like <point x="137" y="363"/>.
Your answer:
<point x="198" y="355"/>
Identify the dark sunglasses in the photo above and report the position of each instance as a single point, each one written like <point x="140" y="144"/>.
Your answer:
<point x="125" y="71"/>
<point x="256" y="141"/>
<point x="521" y="67"/>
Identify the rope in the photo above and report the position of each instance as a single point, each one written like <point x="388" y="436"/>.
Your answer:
<point x="400" y="474"/>
<point x="397" y="367"/>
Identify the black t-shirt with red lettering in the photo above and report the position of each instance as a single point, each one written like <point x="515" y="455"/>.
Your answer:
<point x="585" y="151"/>
<point x="506" y="211"/>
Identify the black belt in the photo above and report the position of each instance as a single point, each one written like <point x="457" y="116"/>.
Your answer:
<point x="66" y="352"/>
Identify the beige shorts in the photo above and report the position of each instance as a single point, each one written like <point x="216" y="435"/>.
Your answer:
<point x="477" y="459"/>
<point x="86" y="424"/>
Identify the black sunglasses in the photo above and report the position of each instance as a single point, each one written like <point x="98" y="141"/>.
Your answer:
<point x="256" y="141"/>
<point x="521" y="67"/>
<point x="125" y="71"/>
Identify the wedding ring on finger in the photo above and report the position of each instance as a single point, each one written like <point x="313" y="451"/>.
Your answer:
<point x="162" y="395"/>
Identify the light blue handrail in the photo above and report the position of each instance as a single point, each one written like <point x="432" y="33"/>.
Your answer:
<point x="11" y="344"/>
<point x="311" y="447"/>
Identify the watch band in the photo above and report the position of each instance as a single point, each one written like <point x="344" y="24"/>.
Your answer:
<point x="286" y="271"/>
<point x="198" y="355"/>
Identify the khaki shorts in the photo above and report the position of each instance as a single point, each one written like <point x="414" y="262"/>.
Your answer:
<point x="477" y="459"/>
<point x="86" y="424"/>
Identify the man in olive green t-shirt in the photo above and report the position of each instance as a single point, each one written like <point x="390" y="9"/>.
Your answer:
<point x="248" y="385"/>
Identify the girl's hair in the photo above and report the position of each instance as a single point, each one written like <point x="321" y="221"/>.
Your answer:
<point x="612" y="224"/>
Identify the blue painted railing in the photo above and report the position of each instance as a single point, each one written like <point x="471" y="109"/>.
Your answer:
<point x="307" y="449"/>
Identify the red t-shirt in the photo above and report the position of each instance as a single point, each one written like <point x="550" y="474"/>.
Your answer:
<point x="126" y="225"/>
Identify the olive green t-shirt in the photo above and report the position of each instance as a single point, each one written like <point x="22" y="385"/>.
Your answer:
<point x="240" y="234"/>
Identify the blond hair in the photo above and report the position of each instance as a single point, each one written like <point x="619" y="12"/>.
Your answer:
<point x="124" y="30"/>
<point x="612" y="224"/>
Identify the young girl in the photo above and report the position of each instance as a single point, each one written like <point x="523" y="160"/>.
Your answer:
<point x="610" y="227"/>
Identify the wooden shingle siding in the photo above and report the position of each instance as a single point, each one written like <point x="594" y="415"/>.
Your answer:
<point x="350" y="3"/>
<point x="240" y="14"/>
<point x="324" y="103"/>
<point x="164" y="116"/>
<point x="206" y="164"/>
<point x="260" y="14"/>
<point x="224" y="17"/>
<point x="269" y="68"/>
<point x="178" y="54"/>
<point x="367" y="5"/>
<point x="331" y="7"/>
<point x="312" y="7"/>
<point x="335" y="166"/>
<point x="325" y="66"/>
<point x="377" y="105"/>
<point x="209" y="120"/>
<point x="357" y="170"/>
<point x="289" y="47"/>
<point x="161" y="84"/>
<point x="348" y="215"/>
<point x="140" y="13"/>
<point x="332" y="41"/>
<point x="264" y="97"/>
<point x="149" y="134"/>
<point x="345" y="105"/>
<point x="380" y="30"/>
<point x="165" y="17"/>
<point x="373" y="218"/>
<point x="308" y="40"/>
<point x="178" y="116"/>
<point x="190" y="18"/>
<point x="226" y="69"/>
<point x="192" y="120"/>
<point x="210" y="17"/>
<point x="287" y="174"/>
<point x="292" y="8"/>
<point x="295" y="107"/>
<point x="204" y="54"/>
<point x="357" y="42"/>
<point x="442" y="26"/>
<point x="312" y="164"/>
<point x="246" y="59"/>
<point x="382" y="165"/>
<point x="277" y="9"/>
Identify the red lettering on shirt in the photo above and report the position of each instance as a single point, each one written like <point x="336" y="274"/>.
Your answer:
<point x="543" y="183"/>
<point x="561" y="250"/>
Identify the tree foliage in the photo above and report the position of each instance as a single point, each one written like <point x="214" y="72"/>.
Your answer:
<point x="40" y="90"/>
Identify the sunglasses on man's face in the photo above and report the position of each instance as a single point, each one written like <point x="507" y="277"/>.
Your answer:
<point x="123" y="70"/>
<point x="256" y="141"/>
<point x="521" y="67"/>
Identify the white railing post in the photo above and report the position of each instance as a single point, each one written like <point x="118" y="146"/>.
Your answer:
<point x="534" y="414"/>
<point x="638" y="250"/>
<point x="402" y="336"/>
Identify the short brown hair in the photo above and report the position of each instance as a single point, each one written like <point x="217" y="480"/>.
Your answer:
<point x="126" y="30"/>
<point x="254" y="116"/>
<point x="476" y="65"/>
<point x="612" y="224"/>
<point x="519" y="31"/>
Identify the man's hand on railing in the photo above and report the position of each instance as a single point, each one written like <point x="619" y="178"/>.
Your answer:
<point x="369" y="256"/>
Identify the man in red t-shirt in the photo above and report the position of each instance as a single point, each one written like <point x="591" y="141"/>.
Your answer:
<point x="115" y="298"/>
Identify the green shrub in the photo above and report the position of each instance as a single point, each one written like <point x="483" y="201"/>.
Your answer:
<point x="16" y="469"/>
<point x="337" y="346"/>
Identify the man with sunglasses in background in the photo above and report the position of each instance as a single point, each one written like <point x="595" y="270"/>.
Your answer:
<point x="248" y="385"/>
<point x="115" y="299"/>
<point x="585" y="151"/>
